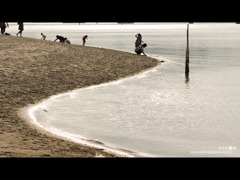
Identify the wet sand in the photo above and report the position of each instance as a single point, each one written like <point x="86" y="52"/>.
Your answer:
<point x="32" y="70"/>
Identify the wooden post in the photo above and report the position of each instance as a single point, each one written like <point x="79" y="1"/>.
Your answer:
<point x="187" y="53"/>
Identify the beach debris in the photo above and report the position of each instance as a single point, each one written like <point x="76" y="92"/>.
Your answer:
<point x="94" y="141"/>
<point x="45" y="110"/>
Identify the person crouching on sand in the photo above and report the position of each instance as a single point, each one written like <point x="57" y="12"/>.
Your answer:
<point x="67" y="41"/>
<point x="60" y="38"/>
<point x="43" y="36"/>
<point x="84" y="39"/>
<point x="139" y="49"/>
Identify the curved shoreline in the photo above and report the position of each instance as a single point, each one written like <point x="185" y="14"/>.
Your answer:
<point x="27" y="113"/>
<point x="33" y="70"/>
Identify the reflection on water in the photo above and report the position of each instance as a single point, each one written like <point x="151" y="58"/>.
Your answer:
<point x="156" y="112"/>
<point x="187" y="79"/>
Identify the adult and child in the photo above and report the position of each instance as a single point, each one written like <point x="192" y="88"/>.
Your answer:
<point x="62" y="39"/>
<point x="139" y="45"/>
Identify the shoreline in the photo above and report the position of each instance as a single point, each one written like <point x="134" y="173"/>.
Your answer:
<point x="26" y="113"/>
<point x="34" y="70"/>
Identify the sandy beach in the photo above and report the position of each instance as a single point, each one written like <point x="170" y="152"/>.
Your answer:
<point x="32" y="70"/>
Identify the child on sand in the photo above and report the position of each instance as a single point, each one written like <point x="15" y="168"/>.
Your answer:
<point x="84" y="39"/>
<point x="67" y="41"/>
<point x="139" y="49"/>
<point x="43" y="36"/>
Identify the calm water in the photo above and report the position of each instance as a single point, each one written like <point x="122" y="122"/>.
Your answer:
<point x="160" y="112"/>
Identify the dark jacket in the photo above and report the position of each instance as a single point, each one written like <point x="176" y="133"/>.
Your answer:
<point x="20" y="25"/>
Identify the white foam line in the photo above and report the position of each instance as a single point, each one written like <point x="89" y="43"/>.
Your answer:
<point x="69" y="136"/>
<point x="71" y="93"/>
<point x="80" y="139"/>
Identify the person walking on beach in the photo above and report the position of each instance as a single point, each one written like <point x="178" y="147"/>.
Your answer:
<point x="3" y="26"/>
<point x="139" y="49"/>
<point x="60" y="38"/>
<point x="84" y="39"/>
<point x="43" y="36"/>
<point x="138" y="40"/>
<point x="20" y="28"/>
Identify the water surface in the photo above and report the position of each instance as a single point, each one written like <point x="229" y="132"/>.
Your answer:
<point x="161" y="112"/>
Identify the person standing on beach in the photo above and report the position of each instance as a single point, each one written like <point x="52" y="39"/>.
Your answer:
<point x="60" y="38"/>
<point x="20" y="28"/>
<point x="139" y="49"/>
<point x="138" y="40"/>
<point x="43" y="36"/>
<point x="3" y="26"/>
<point x="84" y="39"/>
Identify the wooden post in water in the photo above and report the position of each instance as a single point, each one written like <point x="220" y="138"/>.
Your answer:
<point x="187" y="53"/>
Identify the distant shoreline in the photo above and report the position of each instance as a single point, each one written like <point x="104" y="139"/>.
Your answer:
<point x="33" y="70"/>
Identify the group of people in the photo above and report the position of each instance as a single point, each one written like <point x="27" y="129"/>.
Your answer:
<point x="139" y="44"/>
<point x="64" y="39"/>
<point x="4" y="25"/>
